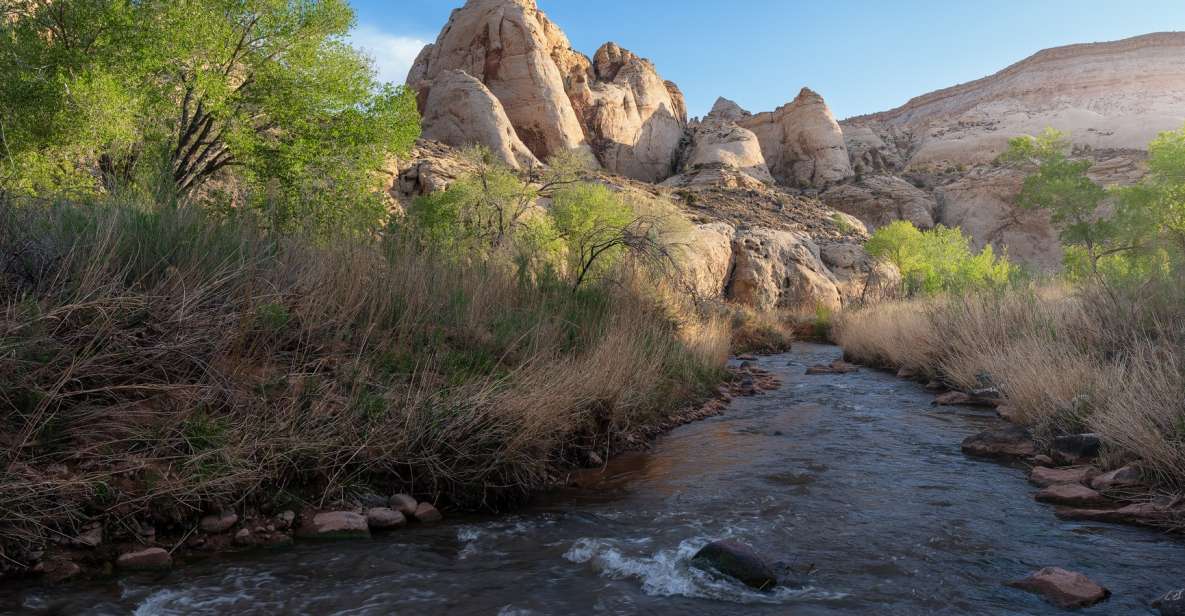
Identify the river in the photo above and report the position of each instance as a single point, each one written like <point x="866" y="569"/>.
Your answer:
<point x="854" y="478"/>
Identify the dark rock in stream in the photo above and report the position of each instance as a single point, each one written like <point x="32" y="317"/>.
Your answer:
<point x="1171" y="603"/>
<point x="738" y="561"/>
<point x="1005" y="443"/>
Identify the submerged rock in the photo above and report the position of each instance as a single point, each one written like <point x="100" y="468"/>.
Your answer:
<point x="736" y="560"/>
<point x="1001" y="443"/>
<point x="1143" y="514"/>
<point x="835" y="367"/>
<point x="1065" y="589"/>
<point x="1171" y="603"/>
<point x="427" y="514"/>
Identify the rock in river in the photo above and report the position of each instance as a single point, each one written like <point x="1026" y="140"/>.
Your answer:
<point x="1002" y="443"/>
<point x="1045" y="476"/>
<point x="1171" y="603"/>
<point x="738" y="561"/>
<point x="335" y="525"/>
<point x="1065" y="589"/>
<point x="151" y="559"/>
<point x="1073" y="495"/>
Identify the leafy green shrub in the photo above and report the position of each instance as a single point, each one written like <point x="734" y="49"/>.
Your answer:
<point x="939" y="259"/>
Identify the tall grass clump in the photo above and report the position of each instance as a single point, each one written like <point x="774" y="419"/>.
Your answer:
<point x="159" y="362"/>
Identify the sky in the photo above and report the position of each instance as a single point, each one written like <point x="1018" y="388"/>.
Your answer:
<point x="863" y="56"/>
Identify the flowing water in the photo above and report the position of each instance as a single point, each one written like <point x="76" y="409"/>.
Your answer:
<point x="854" y="477"/>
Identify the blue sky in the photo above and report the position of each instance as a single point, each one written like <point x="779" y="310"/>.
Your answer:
<point x="861" y="55"/>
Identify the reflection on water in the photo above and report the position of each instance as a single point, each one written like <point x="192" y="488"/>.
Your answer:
<point x="854" y="477"/>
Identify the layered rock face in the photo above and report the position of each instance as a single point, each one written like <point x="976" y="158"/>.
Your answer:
<point x="802" y="143"/>
<point x="880" y="199"/>
<point x="1110" y="98"/>
<point x="1115" y="95"/>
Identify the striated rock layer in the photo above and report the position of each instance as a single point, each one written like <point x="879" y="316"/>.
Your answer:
<point x="802" y="143"/>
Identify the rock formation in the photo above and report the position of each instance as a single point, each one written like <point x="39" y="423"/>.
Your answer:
<point x="634" y="120"/>
<point x="507" y="45"/>
<point x="460" y="110"/>
<point x="1110" y="98"/>
<point x="880" y="199"/>
<point x="780" y="269"/>
<point x="720" y="152"/>
<point x="802" y="143"/>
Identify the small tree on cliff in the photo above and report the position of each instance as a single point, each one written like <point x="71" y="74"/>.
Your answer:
<point x="106" y="95"/>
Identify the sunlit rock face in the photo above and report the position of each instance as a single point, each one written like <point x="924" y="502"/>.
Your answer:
<point x="802" y="143"/>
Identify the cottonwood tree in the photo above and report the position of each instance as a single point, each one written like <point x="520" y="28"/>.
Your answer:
<point x="102" y="95"/>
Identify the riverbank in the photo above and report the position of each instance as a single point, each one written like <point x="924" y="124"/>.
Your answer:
<point x="1085" y="378"/>
<point x="160" y="365"/>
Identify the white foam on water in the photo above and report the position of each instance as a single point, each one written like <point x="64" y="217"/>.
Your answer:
<point x="669" y="572"/>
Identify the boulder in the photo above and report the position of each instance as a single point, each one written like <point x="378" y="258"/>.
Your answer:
<point x="151" y="559"/>
<point x="881" y="199"/>
<point x="510" y="46"/>
<point x="802" y="143"/>
<point x="427" y="514"/>
<point x="1172" y="603"/>
<point x="1044" y="476"/>
<point x="1011" y="442"/>
<point x="403" y="503"/>
<point x="859" y="277"/>
<point x="284" y="519"/>
<point x="1072" y="495"/>
<point x="954" y="398"/>
<point x="219" y="522"/>
<point x="835" y="367"/>
<point x="334" y="525"/>
<point x="461" y="111"/>
<point x="737" y="561"/>
<point x="1065" y="589"/>
<point x="702" y="259"/>
<point x="57" y="569"/>
<point x="1075" y="448"/>
<point x="244" y="537"/>
<point x="1119" y="479"/>
<point x="384" y="518"/>
<point x="869" y="149"/>
<point x="774" y="268"/>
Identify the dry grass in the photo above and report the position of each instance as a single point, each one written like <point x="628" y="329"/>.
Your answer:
<point x="157" y="365"/>
<point x="755" y="331"/>
<point x="1101" y="359"/>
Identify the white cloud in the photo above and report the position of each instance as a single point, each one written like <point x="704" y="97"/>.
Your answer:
<point x="393" y="55"/>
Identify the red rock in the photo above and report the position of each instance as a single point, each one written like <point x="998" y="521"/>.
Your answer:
<point x="907" y="373"/>
<point x="1041" y="460"/>
<point x="952" y="398"/>
<point x="218" y="523"/>
<point x="1073" y="495"/>
<point x="1065" y="589"/>
<point x="427" y="514"/>
<point x="151" y="559"/>
<point x="383" y="518"/>
<point x="1009" y="413"/>
<point x="835" y="367"/>
<point x="335" y="525"/>
<point x="1118" y="479"/>
<point x="1142" y="514"/>
<point x="1045" y="477"/>
<point x="1001" y="443"/>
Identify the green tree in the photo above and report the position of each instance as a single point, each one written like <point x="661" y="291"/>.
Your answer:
<point x="939" y="259"/>
<point x="107" y="95"/>
<point x="1060" y="186"/>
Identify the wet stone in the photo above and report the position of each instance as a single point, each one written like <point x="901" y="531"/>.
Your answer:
<point x="1075" y="448"/>
<point x="1074" y="495"/>
<point x="1045" y="477"/>
<point x="1065" y="589"/>
<point x="1001" y="443"/>
<point x="738" y="561"/>
<point x="1171" y="603"/>
<point x="151" y="559"/>
<point x="218" y="523"/>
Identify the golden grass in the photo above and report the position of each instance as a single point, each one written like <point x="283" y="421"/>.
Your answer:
<point x="161" y="364"/>
<point x="1101" y="359"/>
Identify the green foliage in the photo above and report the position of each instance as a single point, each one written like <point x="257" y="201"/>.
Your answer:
<point x="1060" y="186"/>
<point x="549" y="222"/>
<point x="162" y="97"/>
<point x="938" y="260"/>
